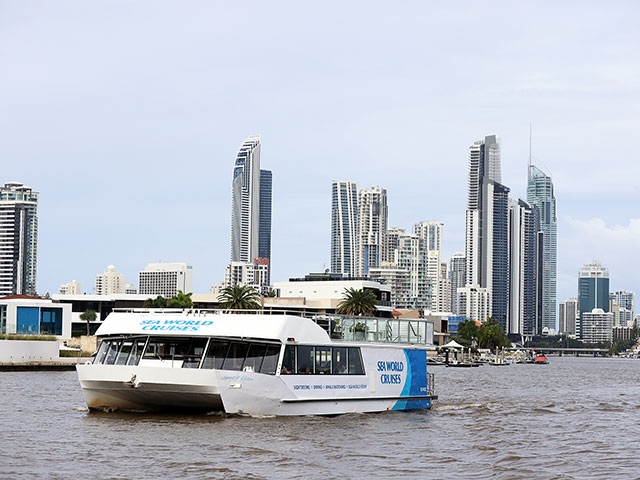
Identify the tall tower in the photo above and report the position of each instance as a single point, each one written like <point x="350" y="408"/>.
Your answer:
<point x="344" y="227"/>
<point x="18" y="239"/>
<point x="431" y="235"/>
<point x="372" y="229"/>
<point x="487" y="236"/>
<point x="523" y="228"/>
<point x="540" y="195"/>
<point x="457" y="269"/>
<point x="251" y="208"/>
<point x="264" y="230"/>
<point x="593" y="291"/>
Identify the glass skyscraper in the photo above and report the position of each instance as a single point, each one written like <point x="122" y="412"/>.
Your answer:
<point x="593" y="291"/>
<point x="540" y="195"/>
<point x="372" y="229"/>
<point x="344" y="227"/>
<point x="487" y="227"/>
<point x="251" y="205"/>
<point x="264" y="230"/>
<point x="18" y="239"/>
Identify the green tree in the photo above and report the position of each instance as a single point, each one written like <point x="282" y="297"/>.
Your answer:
<point x="158" y="302"/>
<point x="468" y="332"/>
<point x="88" y="316"/>
<point x="491" y="335"/>
<point x="240" y="297"/>
<point x="181" y="300"/>
<point x="358" y="302"/>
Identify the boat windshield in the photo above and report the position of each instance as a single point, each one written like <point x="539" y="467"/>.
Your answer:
<point x="194" y="352"/>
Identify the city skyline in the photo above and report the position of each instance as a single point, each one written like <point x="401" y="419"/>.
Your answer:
<point x="128" y="136"/>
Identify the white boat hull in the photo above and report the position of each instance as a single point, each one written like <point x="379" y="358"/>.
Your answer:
<point x="109" y="387"/>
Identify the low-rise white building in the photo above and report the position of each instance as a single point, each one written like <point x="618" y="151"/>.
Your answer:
<point x="330" y="290"/>
<point x="23" y="315"/>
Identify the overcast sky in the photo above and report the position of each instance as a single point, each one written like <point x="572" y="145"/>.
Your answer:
<point x="126" y="117"/>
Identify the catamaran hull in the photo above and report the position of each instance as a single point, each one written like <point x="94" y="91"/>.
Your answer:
<point x="148" y="388"/>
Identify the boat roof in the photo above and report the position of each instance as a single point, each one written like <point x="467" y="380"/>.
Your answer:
<point x="190" y="323"/>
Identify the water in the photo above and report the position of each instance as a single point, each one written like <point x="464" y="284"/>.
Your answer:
<point x="571" y="419"/>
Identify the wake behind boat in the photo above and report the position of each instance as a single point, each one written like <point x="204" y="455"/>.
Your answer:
<point x="256" y="364"/>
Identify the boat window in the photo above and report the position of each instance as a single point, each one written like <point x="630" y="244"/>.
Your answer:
<point x="216" y="354"/>
<point x="236" y="355"/>
<point x="194" y="353"/>
<point x="355" y="361"/>
<point x="339" y="365"/>
<point x="289" y="360"/>
<point x="123" y="353"/>
<point x="136" y="350"/>
<point x="306" y="359"/>
<point x="255" y="356"/>
<point x="112" y="352"/>
<point x="270" y="363"/>
<point x="102" y="352"/>
<point x="168" y="348"/>
<point x="323" y="360"/>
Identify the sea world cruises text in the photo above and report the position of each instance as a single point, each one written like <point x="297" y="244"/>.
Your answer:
<point x="390" y="366"/>
<point x="174" y="325"/>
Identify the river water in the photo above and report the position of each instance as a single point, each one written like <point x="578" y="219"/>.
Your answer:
<point x="576" y="418"/>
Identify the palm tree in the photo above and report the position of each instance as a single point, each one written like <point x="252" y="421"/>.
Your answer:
<point x="358" y="302"/>
<point x="181" y="300"/>
<point x="239" y="297"/>
<point x="88" y="316"/>
<point x="158" y="302"/>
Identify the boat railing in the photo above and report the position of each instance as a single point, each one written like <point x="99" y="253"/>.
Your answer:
<point x="339" y="327"/>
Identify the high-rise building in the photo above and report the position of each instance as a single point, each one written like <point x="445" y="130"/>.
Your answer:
<point x="166" y="279"/>
<point x="344" y="228"/>
<point x="264" y="230"/>
<point x="523" y="228"/>
<point x="393" y="235"/>
<point x="487" y="236"/>
<point x="397" y="279"/>
<point x="567" y="316"/>
<point x="251" y="209"/>
<point x="593" y="291"/>
<point x="110" y="282"/>
<point x="372" y="229"/>
<point x="457" y="272"/>
<point x="626" y="300"/>
<point x="18" y="239"/>
<point x="431" y="235"/>
<point x="413" y="257"/>
<point x="540" y="195"/>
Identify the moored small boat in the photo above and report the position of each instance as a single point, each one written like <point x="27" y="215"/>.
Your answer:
<point x="540" y="359"/>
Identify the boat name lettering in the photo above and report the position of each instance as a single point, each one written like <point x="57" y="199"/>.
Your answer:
<point x="390" y="366"/>
<point x="391" y="378"/>
<point x="175" y="325"/>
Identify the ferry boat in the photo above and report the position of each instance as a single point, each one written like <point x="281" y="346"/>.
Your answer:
<point x="257" y="363"/>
